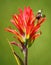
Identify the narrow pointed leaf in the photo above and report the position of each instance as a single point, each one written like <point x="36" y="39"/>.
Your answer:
<point x="17" y="58"/>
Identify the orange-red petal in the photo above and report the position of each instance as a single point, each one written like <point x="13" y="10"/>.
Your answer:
<point x="16" y="33"/>
<point x="35" y="36"/>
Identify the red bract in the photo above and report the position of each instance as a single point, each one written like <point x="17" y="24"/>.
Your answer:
<point x="27" y="24"/>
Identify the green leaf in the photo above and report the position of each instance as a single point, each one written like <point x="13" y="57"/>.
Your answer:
<point x="17" y="58"/>
<point x="30" y="43"/>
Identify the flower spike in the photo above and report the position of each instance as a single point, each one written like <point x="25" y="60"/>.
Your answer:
<point x="25" y="23"/>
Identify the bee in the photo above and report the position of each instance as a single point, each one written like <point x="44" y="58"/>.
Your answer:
<point x="39" y="14"/>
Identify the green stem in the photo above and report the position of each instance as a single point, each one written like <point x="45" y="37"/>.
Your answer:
<point x="25" y="56"/>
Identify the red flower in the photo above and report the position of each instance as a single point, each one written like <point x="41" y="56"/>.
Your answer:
<point x="27" y="26"/>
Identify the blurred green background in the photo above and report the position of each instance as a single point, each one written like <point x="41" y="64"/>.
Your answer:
<point x="40" y="51"/>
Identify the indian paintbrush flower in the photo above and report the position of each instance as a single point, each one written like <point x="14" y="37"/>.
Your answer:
<point x="28" y="26"/>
